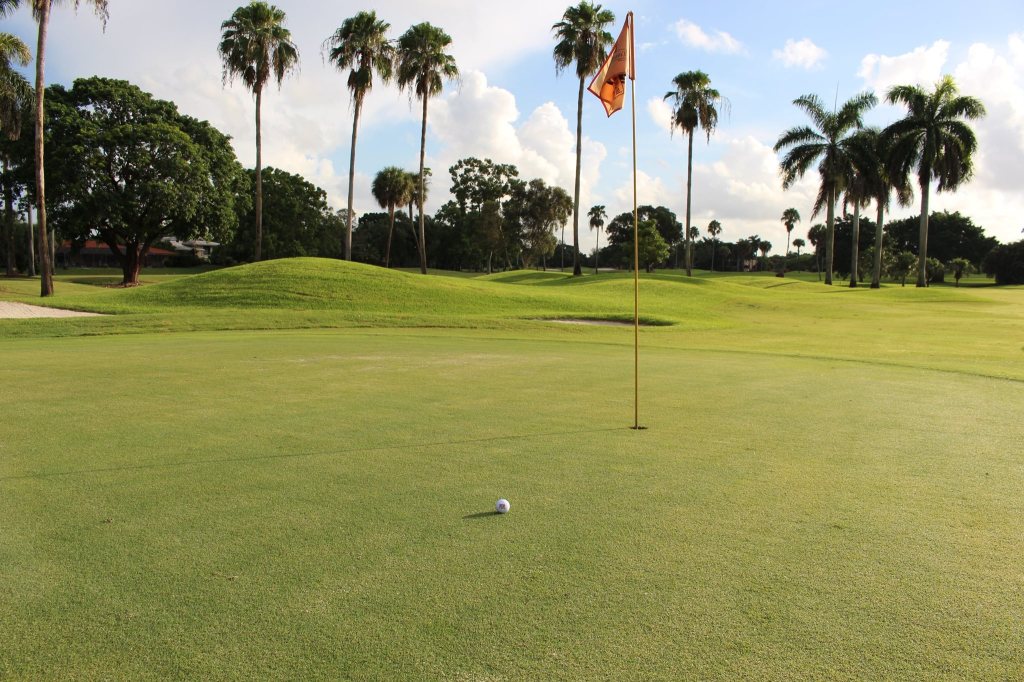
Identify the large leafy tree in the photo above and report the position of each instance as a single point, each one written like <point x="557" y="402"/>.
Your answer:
<point x="536" y="209"/>
<point x="584" y="41"/>
<point x="597" y="215"/>
<point x="15" y="101"/>
<point x="392" y="187"/>
<point x="41" y="10"/>
<point x="696" y="105"/>
<point x="482" y="190"/>
<point x="297" y="219"/>
<point x="360" y="44"/>
<point x="422" y="65"/>
<point x="130" y="169"/>
<point x="828" y="144"/>
<point x="934" y="140"/>
<point x="255" y="47"/>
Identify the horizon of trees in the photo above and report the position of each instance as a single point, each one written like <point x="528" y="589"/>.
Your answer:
<point x="857" y="164"/>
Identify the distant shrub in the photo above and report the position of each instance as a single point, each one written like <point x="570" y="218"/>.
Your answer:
<point x="185" y="260"/>
<point x="1006" y="263"/>
<point x="935" y="270"/>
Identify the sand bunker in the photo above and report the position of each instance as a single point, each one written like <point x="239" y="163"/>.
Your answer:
<point x="10" y="310"/>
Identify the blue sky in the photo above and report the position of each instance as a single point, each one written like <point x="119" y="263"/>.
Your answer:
<point x="511" y="106"/>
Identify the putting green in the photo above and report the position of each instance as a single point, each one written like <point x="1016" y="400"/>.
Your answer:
<point x="316" y="503"/>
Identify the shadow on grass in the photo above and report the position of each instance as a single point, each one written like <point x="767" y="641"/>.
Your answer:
<point x="481" y="515"/>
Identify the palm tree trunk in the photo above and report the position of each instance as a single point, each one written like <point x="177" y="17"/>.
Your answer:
<point x="391" y="231"/>
<point x="31" y="243"/>
<point x="259" y="176"/>
<point x="561" y="252"/>
<point x="351" y="185"/>
<point x="12" y="265"/>
<point x="714" y="248"/>
<point x="45" y="260"/>
<point x="597" y="250"/>
<point x="830" y="233"/>
<point x="576" y="271"/>
<point x="855" y="246"/>
<point x="876" y="271"/>
<point x="688" y="257"/>
<point x="423" y="152"/>
<point x="922" y="256"/>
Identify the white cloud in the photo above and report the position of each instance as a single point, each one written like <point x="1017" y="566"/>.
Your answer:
<point x="922" y="66"/>
<point x="661" y="113"/>
<point x="800" y="53"/>
<point x="1016" y="43"/>
<point x="993" y="74"/>
<point x="649" y="190"/>
<point x="480" y="120"/>
<point x="693" y="35"/>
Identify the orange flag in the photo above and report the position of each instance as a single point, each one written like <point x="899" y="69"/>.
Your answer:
<point x="609" y="85"/>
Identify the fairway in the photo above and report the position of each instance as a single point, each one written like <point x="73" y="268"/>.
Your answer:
<point x="227" y="484"/>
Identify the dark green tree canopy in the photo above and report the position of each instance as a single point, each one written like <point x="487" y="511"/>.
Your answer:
<point x="620" y="229"/>
<point x="298" y="219"/>
<point x="131" y="169"/>
<point x="535" y="211"/>
<point x="951" y="235"/>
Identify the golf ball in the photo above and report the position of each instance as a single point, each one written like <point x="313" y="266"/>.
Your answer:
<point x="502" y="506"/>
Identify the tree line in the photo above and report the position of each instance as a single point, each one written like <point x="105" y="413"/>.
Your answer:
<point x="193" y="183"/>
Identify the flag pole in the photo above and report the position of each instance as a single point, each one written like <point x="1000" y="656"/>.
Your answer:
<point x="636" y="250"/>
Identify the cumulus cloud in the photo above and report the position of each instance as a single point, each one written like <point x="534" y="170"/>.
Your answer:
<point x="800" y="53"/>
<point x="993" y="74"/>
<point x="649" y="190"/>
<point x="922" y="66"/>
<point x="693" y="35"/>
<point x="481" y="120"/>
<point x="660" y="112"/>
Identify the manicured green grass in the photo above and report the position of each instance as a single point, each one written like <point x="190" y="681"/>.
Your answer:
<point x="829" y="486"/>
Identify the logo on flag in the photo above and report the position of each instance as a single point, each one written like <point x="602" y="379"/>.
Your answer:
<point x="609" y="85"/>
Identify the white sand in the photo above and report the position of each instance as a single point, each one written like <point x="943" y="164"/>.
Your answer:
<point x="11" y="310"/>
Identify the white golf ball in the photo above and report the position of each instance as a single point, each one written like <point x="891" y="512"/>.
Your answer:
<point x="502" y="506"/>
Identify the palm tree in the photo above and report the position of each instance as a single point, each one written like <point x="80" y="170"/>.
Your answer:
<point x="799" y="244"/>
<point x="392" y="187"/>
<point x="583" y="40"/>
<point x="714" y="229"/>
<point x="422" y="66"/>
<point x="816" y="235"/>
<point x="15" y="99"/>
<point x="828" y="143"/>
<point x="41" y="10"/>
<point x="861" y="183"/>
<point x="696" y="106"/>
<point x="790" y="217"/>
<point x="597" y="215"/>
<point x="880" y="185"/>
<point x="935" y="139"/>
<point x="414" y="199"/>
<point x="360" y="44"/>
<point x="764" y="246"/>
<point x="254" y="46"/>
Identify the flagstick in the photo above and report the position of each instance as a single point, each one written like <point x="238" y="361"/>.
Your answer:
<point x="636" y="274"/>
